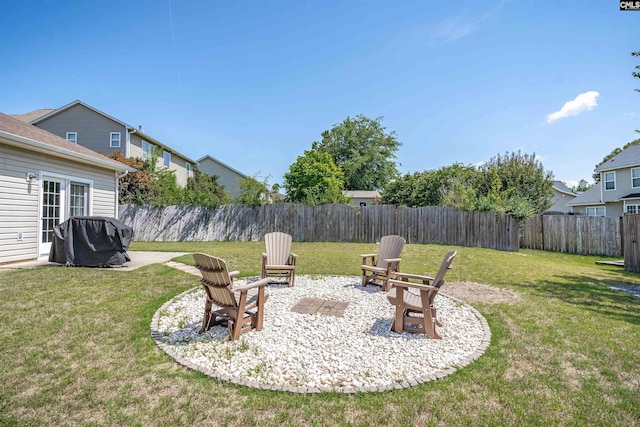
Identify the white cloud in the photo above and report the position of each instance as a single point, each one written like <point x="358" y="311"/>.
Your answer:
<point x="584" y="102"/>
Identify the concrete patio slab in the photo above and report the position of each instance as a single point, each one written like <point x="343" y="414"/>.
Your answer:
<point x="138" y="259"/>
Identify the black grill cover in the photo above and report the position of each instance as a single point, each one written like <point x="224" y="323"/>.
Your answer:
<point x="91" y="241"/>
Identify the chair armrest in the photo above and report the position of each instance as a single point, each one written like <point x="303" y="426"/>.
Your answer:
<point x="367" y="255"/>
<point x="398" y="275"/>
<point x="402" y="284"/>
<point x="393" y="259"/>
<point x="232" y="274"/>
<point x="292" y="259"/>
<point x="264" y="254"/>
<point x="247" y="286"/>
<point x="371" y="256"/>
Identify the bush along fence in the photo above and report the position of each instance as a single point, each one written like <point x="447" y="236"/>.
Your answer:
<point x="329" y="223"/>
<point x="575" y="234"/>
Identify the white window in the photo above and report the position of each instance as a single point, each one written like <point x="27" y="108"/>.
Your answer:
<point x="635" y="178"/>
<point x="114" y="139"/>
<point x="596" y="211"/>
<point x="147" y="150"/>
<point x="632" y="209"/>
<point x="72" y="137"/>
<point x="78" y="199"/>
<point x="609" y="181"/>
<point x="188" y="167"/>
<point x="166" y="159"/>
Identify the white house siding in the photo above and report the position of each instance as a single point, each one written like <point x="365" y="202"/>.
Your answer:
<point x="19" y="201"/>
<point x="229" y="178"/>
<point x="94" y="130"/>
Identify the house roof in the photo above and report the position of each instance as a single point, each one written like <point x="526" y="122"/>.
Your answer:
<point x="16" y="132"/>
<point x="590" y="197"/>
<point x="32" y="115"/>
<point x="132" y="129"/>
<point x="562" y="188"/>
<point x="628" y="157"/>
<point x="361" y="194"/>
<point x="223" y="164"/>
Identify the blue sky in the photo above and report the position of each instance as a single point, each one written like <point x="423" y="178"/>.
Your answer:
<point x="255" y="82"/>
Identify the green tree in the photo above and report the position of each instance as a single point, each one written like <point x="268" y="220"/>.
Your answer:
<point x="522" y="178"/>
<point x="314" y="179"/>
<point x="253" y="192"/>
<point x="428" y="188"/>
<point x="205" y="190"/>
<point x="583" y="185"/>
<point x="135" y="188"/>
<point x="363" y="150"/>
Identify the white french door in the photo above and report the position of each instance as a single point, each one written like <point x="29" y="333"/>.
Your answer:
<point x="52" y="212"/>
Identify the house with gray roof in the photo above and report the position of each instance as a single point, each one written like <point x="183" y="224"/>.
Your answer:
<point x="85" y="125"/>
<point x="561" y="196"/>
<point x="44" y="180"/>
<point x="227" y="176"/>
<point x="618" y="191"/>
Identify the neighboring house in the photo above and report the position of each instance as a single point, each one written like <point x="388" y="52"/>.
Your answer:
<point x="44" y="180"/>
<point x="363" y="198"/>
<point x="85" y="125"/>
<point x="561" y="196"/>
<point x="228" y="176"/>
<point x="618" y="191"/>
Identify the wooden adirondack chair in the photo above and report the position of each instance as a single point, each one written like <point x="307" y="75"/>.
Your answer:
<point x="377" y="268"/>
<point x="415" y="313"/>
<point x="278" y="261"/>
<point x="241" y="307"/>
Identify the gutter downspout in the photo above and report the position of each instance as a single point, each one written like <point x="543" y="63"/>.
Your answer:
<point x="117" y="204"/>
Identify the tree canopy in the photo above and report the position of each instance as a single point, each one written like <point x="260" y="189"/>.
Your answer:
<point x="364" y="152"/>
<point x="314" y="179"/>
<point x="158" y="187"/>
<point x="512" y="183"/>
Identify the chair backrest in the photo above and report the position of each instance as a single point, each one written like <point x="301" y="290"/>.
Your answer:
<point x="278" y="247"/>
<point x="390" y="247"/>
<point x="444" y="267"/>
<point x="215" y="279"/>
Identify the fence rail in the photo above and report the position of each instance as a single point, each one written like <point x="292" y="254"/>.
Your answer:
<point x="333" y="223"/>
<point x="576" y="234"/>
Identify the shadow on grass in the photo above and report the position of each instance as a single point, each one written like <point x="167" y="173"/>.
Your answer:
<point x="593" y="295"/>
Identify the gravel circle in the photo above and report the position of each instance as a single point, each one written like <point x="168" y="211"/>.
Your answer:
<point x="315" y="353"/>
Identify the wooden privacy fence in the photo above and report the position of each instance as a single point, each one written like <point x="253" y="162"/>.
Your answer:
<point x="331" y="223"/>
<point x="575" y="234"/>
<point x="631" y="227"/>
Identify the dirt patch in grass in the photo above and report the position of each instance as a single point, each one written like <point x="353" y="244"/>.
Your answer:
<point x="478" y="292"/>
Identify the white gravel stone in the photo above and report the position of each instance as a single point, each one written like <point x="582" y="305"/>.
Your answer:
<point x="358" y="351"/>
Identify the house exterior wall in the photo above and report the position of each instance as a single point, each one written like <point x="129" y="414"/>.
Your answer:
<point x="559" y="202"/>
<point x="94" y="130"/>
<point x="623" y="185"/>
<point x="178" y="163"/>
<point x="357" y="201"/>
<point x="20" y="201"/>
<point x="229" y="178"/>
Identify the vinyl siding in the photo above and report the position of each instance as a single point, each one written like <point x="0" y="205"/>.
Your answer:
<point x="559" y="202"/>
<point x="623" y="186"/>
<point x="94" y="130"/>
<point x="178" y="163"/>
<point x="229" y="178"/>
<point x="19" y="201"/>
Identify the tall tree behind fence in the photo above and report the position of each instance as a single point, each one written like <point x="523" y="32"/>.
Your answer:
<point x="575" y="234"/>
<point x="331" y="223"/>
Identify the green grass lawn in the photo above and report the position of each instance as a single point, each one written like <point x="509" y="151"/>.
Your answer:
<point x="76" y="347"/>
